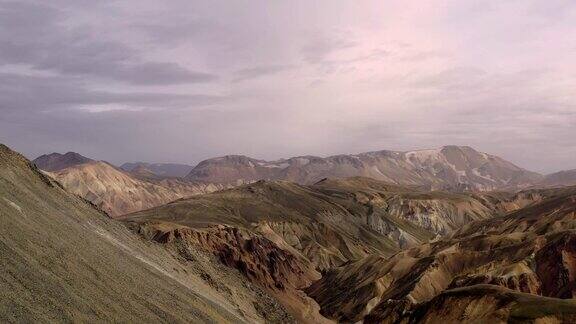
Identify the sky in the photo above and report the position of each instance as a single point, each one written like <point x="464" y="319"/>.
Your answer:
<point x="185" y="80"/>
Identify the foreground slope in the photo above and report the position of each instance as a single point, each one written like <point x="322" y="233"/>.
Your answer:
<point x="449" y="167"/>
<point x="531" y="250"/>
<point x="118" y="192"/>
<point x="64" y="261"/>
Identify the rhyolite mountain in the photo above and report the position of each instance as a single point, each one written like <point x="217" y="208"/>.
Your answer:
<point x="449" y="167"/>
<point x="57" y="161"/>
<point x="173" y="170"/>
<point x="118" y="192"/>
<point x="65" y="261"/>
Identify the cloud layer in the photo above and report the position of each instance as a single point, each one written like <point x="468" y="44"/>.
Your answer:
<point x="183" y="80"/>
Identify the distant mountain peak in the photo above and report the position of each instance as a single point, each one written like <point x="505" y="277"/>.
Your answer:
<point x="57" y="161"/>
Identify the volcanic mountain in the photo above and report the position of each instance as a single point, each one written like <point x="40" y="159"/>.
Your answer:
<point x="559" y="179"/>
<point x="481" y="272"/>
<point x="57" y="161"/>
<point x="118" y="192"/>
<point x="449" y="167"/>
<point x="65" y="261"/>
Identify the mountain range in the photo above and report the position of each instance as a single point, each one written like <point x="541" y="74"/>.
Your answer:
<point x="118" y="192"/>
<point x="449" y="167"/>
<point x="446" y="235"/>
<point x="63" y="260"/>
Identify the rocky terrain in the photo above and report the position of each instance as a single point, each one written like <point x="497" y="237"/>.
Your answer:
<point x="65" y="261"/>
<point x="449" y="167"/>
<point x="57" y="161"/>
<point x="283" y="236"/>
<point x="331" y="222"/>
<point x="343" y="249"/>
<point x="529" y="251"/>
<point x="118" y="192"/>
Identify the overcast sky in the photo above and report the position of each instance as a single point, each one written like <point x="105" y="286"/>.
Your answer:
<point x="182" y="80"/>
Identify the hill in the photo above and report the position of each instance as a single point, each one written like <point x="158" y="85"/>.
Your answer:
<point x="529" y="250"/>
<point x="118" y="192"/>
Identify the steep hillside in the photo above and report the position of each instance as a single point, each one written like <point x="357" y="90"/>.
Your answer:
<point x="530" y="250"/>
<point x="171" y="170"/>
<point x="57" y="161"/>
<point x="118" y="192"/>
<point x="450" y="167"/>
<point x="64" y="261"/>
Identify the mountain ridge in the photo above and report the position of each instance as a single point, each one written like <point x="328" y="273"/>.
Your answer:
<point x="449" y="167"/>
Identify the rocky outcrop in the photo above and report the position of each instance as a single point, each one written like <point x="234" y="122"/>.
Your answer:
<point x="556" y="266"/>
<point x="256" y="257"/>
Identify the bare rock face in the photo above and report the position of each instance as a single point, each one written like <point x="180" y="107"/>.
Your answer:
<point x="556" y="266"/>
<point x="256" y="257"/>
<point x="263" y="262"/>
<point x="450" y="167"/>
